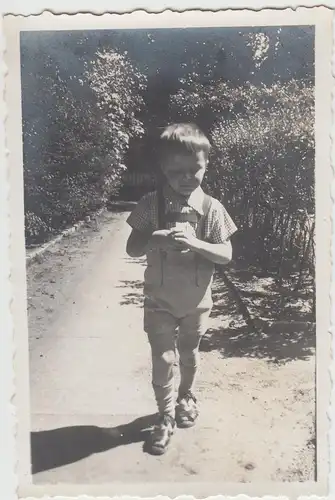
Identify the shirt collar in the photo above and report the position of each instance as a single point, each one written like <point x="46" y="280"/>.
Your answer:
<point x="195" y="200"/>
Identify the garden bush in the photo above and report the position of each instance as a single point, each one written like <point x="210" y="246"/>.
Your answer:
<point x="74" y="150"/>
<point x="262" y="165"/>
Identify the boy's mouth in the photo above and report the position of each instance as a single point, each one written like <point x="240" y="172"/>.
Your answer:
<point x="187" y="188"/>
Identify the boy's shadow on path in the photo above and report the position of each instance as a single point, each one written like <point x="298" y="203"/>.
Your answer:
<point x="56" y="447"/>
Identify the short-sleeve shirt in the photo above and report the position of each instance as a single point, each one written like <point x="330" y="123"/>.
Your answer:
<point x="218" y="225"/>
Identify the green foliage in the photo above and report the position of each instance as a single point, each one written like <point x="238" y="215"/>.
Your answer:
<point x="74" y="151"/>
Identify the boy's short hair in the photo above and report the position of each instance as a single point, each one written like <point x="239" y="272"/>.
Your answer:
<point x="181" y="137"/>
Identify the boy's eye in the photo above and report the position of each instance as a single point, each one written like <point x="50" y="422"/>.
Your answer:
<point x="188" y="172"/>
<point x="191" y="171"/>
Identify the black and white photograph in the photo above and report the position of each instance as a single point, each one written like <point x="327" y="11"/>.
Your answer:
<point x="170" y="190"/>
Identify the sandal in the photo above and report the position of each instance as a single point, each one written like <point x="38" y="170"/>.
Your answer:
<point x="186" y="410"/>
<point x="160" y="435"/>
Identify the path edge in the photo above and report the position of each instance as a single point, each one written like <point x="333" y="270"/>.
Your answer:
<point x="40" y="251"/>
<point x="111" y="206"/>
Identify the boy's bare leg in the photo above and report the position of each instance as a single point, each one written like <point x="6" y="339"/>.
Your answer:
<point x="163" y="358"/>
<point x="188" y="347"/>
<point x="161" y="328"/>
<point x="191" y="330"/>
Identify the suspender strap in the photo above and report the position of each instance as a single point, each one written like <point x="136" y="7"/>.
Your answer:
<point x="206" y="205"/>
<point x="161" y="208"/>
<point x="163" y="217"/>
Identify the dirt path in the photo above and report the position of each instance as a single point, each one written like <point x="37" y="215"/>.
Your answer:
<point x="91" y="391"/>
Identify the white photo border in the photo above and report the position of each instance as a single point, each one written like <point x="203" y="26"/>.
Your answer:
<point x="10" y="198"/>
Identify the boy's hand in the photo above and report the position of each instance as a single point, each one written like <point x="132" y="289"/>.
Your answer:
<point x="162" y="238"/>
<point x="185" y="239"/>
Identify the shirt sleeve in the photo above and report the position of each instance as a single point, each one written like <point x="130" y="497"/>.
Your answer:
<point x="142" y="217"/>
<point x="222" y="227"/>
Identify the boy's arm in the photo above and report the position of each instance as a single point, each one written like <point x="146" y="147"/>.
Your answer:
<point x="217" y="248"/>
<point x="141" y="223"/>
<point x="219" y="253"/>
<point x="139" y="242"/>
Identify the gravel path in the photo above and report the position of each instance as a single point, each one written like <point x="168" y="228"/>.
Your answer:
<point x="91" y="397"/>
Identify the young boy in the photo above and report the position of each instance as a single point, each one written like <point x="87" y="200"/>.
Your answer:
<point x="183" y="233"/>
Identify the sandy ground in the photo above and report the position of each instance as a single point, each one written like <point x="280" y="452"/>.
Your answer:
<point x="91" y="397"/>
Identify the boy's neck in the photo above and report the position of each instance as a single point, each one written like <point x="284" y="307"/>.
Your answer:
<point x="183" y="197"/>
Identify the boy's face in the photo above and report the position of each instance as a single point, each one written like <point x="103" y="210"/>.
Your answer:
<point x="184" y="171"/>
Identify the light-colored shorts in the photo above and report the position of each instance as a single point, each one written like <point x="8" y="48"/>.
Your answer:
<point x="158" y="320"/>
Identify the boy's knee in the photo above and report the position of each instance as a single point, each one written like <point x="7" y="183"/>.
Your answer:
<point x="164" y="360"/>
<point x="189" y="342"/>
<point x="189" y="357"/>
<point x="162" y="371"/>
<point x="168" y="357"/>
